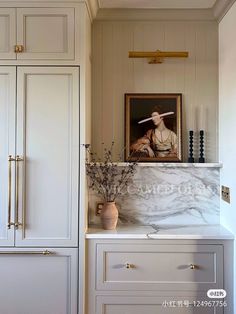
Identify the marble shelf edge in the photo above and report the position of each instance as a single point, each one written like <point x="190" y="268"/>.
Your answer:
<point x="174" y="165"/>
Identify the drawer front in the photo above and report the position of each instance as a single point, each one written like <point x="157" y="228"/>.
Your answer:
<point x="150" y="305"/>
<point x="164" y="267"/>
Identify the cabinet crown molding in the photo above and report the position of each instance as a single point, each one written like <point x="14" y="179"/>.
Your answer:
<point x="93" y="7"/>
<point x="221" y="7"/>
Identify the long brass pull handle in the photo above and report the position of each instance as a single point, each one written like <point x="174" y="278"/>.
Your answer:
<point x="17" y="223"/>
<point x="46" y="252"/>
<point x="9" y="223"/>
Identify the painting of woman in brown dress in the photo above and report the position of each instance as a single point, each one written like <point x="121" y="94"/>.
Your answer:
<point x="153" y="127"/>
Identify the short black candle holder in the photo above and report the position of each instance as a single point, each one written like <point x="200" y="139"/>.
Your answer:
<point x="190" y="158"/>
<point x="201" y="157"/>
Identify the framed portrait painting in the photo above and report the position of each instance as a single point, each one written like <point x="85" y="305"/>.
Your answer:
<point x="153" y="127"/>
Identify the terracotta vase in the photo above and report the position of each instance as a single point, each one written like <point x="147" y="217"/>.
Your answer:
<point x="109" y="216"/>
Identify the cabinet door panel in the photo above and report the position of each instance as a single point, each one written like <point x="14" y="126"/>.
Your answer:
<point x="37" y="283"/>
<point x="48" y="138"/>
<point x="159" y="267"/>
<point x="151" y="305"/>
<point x="7" y="33"/>
<point x="46" y="33"/>
<point x="7" y="147"/>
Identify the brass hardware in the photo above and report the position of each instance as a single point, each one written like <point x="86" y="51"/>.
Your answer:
<point x="9" y="223"/>
<point x="20" y="48"/>
<point x="158" y="56"/>
<point x="16" y="49"/>
<point x="17" y="224"/>
<point x="129" y="266"/>
<point x="192" y="266"/>
<point x="46" y="252"/>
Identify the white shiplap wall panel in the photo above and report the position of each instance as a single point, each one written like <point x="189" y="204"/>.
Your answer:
<point x="97" y="88"/>
<point x="108" y="78"/>
<point x="123" y="80"/>
<point x="115" y="74"/>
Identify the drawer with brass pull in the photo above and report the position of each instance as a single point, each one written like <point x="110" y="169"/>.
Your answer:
<point x="159" y="267"/>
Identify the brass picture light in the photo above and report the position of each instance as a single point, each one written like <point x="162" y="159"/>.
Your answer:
<point x="158" y="56"/>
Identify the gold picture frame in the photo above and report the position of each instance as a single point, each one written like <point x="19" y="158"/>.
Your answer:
<point x="153" y="127"/>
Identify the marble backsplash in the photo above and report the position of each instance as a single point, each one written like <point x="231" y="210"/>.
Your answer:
<point x="167" y="195"/>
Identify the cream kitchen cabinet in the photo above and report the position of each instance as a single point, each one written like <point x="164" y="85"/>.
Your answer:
<point x="149" y="305"/>
<point x="142" y="276"/>
<point x="37" y="33"/>
<point x="39" y="156"/>
<point x="38" y="281"/>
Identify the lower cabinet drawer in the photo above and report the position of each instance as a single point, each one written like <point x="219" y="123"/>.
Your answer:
<point x="159" y="267"/>
<point x="150" y="305"/>
<point x="36" y="282"/>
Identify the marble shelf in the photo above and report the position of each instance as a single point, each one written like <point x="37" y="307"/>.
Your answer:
<point x="174" y="164"/>
<point x="174" y="232"/>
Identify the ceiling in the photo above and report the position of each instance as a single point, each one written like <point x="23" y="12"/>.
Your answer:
<point x="156" y="4"/>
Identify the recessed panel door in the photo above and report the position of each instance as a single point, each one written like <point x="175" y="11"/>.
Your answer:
<point x="46" y="33"/>
<point x="38" y="281"/>
<point x="7" y="33"/>
<point x="7" y="148"/>
<point x="48" y="164"/>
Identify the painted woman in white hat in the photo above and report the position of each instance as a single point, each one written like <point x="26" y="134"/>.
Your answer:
<point x="157" y="142"/>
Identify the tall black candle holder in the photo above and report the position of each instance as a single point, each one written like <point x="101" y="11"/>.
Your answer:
<point x="190" y="158"/>
<point x="201" y="157"/>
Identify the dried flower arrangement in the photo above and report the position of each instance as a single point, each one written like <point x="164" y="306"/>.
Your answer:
<point x="107" y="177"/>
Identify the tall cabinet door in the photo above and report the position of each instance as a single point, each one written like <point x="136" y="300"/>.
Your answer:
<point x="48" y="148"/>
<point x="7" y="147"/>
<point x="7" y="33"/>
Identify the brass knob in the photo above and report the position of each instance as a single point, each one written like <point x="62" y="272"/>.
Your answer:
<point x="16" y="48"/>
<point x="20" y="48"/>
<point x="129" y="266"/>
<point x="192" y="266"/>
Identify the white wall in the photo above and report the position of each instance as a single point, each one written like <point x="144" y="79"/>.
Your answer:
<point x="115" y="74"/>
<point x="227" y="114"/>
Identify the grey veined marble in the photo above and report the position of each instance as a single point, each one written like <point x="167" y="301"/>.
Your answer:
<point x="168" y="196"/>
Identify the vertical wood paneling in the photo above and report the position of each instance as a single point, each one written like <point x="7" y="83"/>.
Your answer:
<point x="212" y="125"/>
<point x="97" y="87"/>
<point x="108" y="78"/>
<point x="189" y="93"/>
<point x="116" y="74"/>
<point x="123" y="80"/>
<point x="174" y="68"/>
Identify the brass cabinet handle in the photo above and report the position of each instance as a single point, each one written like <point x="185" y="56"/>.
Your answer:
<point x="46" y="252"/>
<point x="129" y="266"/>
<point x="16" y="49"/>
<point x="192" y="266"/>
<point x="9" y="223"/>
<point x="17" y="223"/>
<point x="19" y="48"/>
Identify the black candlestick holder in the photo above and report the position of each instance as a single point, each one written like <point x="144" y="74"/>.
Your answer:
<point x="201" y="157"/>
<point x="190" y="158"/>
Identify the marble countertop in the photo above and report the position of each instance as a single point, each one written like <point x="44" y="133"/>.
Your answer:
<point x="213" y="232"/>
